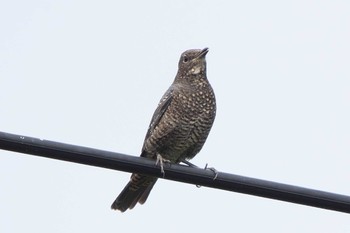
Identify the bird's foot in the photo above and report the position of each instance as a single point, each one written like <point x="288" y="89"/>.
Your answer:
<point x="160" y="160"/>
<point x="216" y="172"/>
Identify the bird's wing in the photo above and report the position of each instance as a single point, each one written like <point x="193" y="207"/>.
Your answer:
<point x="159" y="113"/>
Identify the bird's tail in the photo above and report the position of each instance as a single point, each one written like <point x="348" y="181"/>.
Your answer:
<point x="137" y="190"/>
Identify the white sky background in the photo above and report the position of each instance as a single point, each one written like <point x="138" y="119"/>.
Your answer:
<point x="91" y="73"/>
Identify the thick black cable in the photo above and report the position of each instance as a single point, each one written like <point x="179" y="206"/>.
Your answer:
<point x="203" y="177"/>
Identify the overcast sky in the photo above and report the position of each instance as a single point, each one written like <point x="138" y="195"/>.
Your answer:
<point x="91" y="73"/>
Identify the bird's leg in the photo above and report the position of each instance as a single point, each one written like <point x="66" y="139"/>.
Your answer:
<point x="160" y="160"/>
<point x="216" y="172"/>
<point x="188" y="163"/>
<point x="206" y="167"/>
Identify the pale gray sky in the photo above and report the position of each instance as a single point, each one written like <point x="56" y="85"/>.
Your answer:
<point x="91" y="73"/>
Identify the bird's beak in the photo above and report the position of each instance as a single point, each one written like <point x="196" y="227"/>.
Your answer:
<point x="203" y="53"/>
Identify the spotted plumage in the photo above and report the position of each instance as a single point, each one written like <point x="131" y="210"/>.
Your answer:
<point x="179" y="126"/>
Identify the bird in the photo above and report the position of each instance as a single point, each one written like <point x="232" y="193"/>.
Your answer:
<point x="179" y="126"/>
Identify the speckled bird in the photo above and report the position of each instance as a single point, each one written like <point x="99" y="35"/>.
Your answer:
<point x="179" y="126"/>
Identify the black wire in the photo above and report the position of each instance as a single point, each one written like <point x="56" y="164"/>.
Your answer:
<point x="181" y="173"/>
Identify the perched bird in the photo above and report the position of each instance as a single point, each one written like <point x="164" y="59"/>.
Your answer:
<point x="179" y="126"/>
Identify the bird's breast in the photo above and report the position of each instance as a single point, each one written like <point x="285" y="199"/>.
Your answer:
<point x="195" y="103"/>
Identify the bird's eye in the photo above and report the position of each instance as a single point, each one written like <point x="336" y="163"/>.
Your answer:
<point x="185" y="59"/>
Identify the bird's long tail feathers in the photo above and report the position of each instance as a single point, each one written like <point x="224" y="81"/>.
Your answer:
<point x="137" y="190"/>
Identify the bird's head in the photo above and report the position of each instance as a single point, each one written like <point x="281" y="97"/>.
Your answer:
<point x="192" y="62"/>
